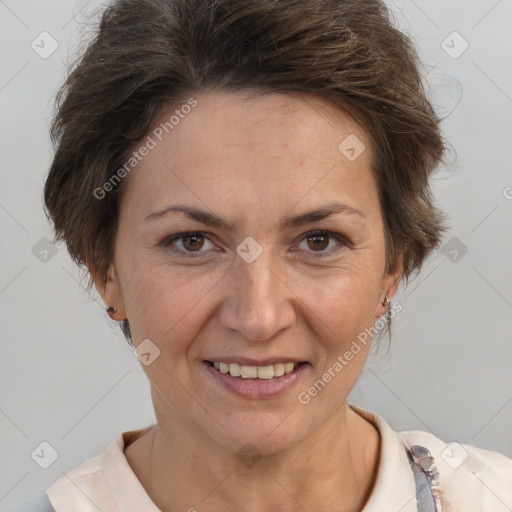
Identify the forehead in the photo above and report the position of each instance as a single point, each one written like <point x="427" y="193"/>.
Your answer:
<point x="276" y="147"/>
<point x="304" y="125"/>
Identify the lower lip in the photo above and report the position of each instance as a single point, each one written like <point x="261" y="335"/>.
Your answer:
<point x="257" y="388"/>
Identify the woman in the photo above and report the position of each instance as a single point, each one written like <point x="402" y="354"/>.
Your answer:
<point x="247" y="184"/>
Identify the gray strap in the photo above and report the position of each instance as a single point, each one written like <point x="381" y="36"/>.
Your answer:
<point x="425" y="474"/>
<point x="39" y="504"/>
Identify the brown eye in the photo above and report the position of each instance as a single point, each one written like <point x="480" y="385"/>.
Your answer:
<point x="193" y="242"/>
<point x="318" y="242"/>
<point x="188" y="244"/>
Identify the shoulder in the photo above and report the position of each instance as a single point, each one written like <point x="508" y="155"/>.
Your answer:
<point x="99" y="482"/>
<point x="479" y="479"/>
<point x="461" y="476"/>
<point x="81" y="488"/>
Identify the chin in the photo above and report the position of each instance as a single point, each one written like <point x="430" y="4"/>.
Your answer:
<point x="265" y="433"/>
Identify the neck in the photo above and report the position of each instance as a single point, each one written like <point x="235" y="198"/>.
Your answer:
<point x="332" y="470"/>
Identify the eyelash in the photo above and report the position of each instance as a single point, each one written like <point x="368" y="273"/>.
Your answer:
<point x="320" y="254"/>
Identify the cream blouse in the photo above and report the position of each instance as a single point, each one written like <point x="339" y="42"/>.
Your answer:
<point x="461" y="478"/>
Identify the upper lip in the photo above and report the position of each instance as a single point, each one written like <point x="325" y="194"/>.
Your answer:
<point x="247" y="361"/>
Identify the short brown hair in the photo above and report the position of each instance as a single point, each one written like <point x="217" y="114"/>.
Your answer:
<point x="148" y="54"/>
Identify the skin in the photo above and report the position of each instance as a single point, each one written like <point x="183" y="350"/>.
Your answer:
<point x="252" y="162"/>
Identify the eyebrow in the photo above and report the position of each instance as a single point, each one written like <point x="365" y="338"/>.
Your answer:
<point x="213" y="220"/>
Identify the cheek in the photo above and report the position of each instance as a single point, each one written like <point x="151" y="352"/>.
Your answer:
<point x="164" y="302"/>
<point x="342" y="298"/>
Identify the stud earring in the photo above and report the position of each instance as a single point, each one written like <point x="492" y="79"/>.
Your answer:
<point x="111" y="311"/>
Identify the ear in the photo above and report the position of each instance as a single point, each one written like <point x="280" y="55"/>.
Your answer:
<point x="110" y="291"/>
<point x="389" y="286"/>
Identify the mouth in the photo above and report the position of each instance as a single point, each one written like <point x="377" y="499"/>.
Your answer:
<point x="256" y="382"/>
<point x="267" y="372"/>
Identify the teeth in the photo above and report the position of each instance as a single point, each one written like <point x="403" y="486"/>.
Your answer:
<point x="234" y="370"/>
<point x="255" y="372"/>
<point x="288" y="367"/>
<point x="278" y="369"/>
<point x="248" y="372"/>
<point x="265" y="372"/>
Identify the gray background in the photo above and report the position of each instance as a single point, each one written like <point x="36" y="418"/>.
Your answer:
<point x="67" y="376"/>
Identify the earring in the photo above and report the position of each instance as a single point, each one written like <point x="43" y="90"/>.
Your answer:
<point x="111" y="311"/>
<point x="388" y="309"/>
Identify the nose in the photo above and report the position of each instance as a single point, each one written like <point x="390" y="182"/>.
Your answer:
<point x="259" y="303"/>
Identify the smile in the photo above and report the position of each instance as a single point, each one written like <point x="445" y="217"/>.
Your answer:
<point x="255" y="372"/>
<point x="256" y="382"/>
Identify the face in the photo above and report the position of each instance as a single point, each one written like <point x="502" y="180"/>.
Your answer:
<point x="256" y="279"/>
